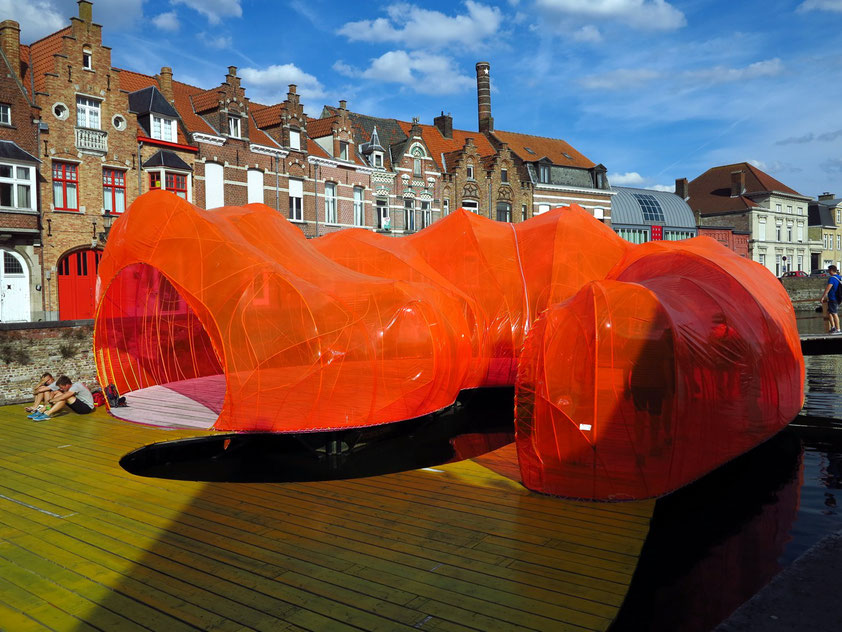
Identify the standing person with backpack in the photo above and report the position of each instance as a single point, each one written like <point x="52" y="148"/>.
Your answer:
<point x="831" y="296"/>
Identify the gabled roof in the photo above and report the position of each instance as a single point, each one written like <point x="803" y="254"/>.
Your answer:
<point x="150" y="99"/>
<point x="316" y="128"/>
<point x="388" y="130"/>
<point x="711" y="191"/>
<point x="131" y="81"/>
<point x="438" y="144"/>
<point x="164" y="158"/>
<point x="11" y="151"/>
<point x="532" y="148"/>
<point x="266" y="115"/>
<point x="41" y="56"/>
<point x="205" y="100"/>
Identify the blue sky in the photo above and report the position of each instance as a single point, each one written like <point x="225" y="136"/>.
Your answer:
<point x="653" y="89"/>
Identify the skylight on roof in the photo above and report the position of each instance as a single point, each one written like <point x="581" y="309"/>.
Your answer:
<point x="566" y="155"/>
<point x="529" y="149"/>
<point x="652" y="211"/>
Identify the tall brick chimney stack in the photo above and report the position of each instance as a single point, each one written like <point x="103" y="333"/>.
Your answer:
<point x="486" y="122"/>
<point x="10" y="43"/>
<point x="682" y="188"/>
<point x="738" y="183"/>
<point x="86" y="11"/>
<point x="165" y="84"/>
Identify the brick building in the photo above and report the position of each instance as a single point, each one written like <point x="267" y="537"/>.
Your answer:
<point x="554" y="172"/>
<point x="742" y="197"/>
<point x="20" y="234"/>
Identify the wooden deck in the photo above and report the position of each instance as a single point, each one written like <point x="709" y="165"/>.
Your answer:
<point x="86" y="546"/>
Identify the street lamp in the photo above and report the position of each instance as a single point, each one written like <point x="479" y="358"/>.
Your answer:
<point x="107" y="219"/>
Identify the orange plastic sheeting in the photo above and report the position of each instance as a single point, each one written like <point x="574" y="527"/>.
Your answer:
<point x="659" y="348"/>
<point x="683" y="358"/>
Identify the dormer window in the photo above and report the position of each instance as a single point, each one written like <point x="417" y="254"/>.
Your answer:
<point x="294" y="139"/>
<point x="234" y="127"/>
<point x="164" y="129"/>
<point x="377" y="159"/>
<point x="87" y="59"/>
<point x="470" y="172"/>
<point x="343" y="150"/>
<point x="544" y="173"/>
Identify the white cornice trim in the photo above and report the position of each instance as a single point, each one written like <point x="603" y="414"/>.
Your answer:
<point x="559" y="187"/>
<point x="268" y="151"/>
<point x="208" y="139"/>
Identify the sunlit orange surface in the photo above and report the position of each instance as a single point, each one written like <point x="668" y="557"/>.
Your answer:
<point x="637" y="368"/>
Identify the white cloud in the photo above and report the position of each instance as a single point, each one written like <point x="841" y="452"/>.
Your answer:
<point x="588" y="33"/>
<point x="271" y="84"/>
<point x="622" y="79"/>
<point x="821" y="5"/>
<point x="215" y="41"/>
<point x="625" y="179"/>
<point x="657" y="15"/>
<point x="167" y="21"/>
<point x="420" y="28"/>
<point x="37" y="18"/>
<point x="423" y="72"/>
<point x="214" y="10"/>
<point x="666" y="188"/>
<point x="720" y="74"/>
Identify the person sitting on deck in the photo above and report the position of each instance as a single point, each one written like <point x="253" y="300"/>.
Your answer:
<point x="831" y="297"/>
<point x="44" y="392"/>
<point x="75" y="396"/>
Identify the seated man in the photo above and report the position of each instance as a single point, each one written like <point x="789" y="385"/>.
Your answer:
<point x="73" y="395"/>
<point x="44" y="392"/>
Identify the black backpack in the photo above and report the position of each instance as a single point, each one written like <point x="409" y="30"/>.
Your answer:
<point x="113" y="397"/>
<point x="838" y="289"/>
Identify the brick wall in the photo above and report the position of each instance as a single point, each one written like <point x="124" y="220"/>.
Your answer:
<point x="29" y="349"/>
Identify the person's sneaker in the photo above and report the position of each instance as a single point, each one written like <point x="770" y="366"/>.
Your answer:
<point x="34" y="414"/>
<point x="836" y="331"/>
<point x="40" y="417"/>
<point x="833" y="330"/>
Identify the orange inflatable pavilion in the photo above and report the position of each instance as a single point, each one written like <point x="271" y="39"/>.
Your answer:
<point x="637" y="368"/>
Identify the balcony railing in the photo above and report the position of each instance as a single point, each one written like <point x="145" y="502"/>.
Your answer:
<point x="91" y="140"/>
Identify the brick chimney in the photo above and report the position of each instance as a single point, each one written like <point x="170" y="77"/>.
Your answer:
<point x="165" y="84"/>
<point x="682" y="188"/>
<point x="445" y="124"/>
<point x="292" y="95"/>
<point x="10" y="43"/>
<point x="486" y="122"/>
<point x="86" y="11"/>
<point x="738" y="183"/>
<point x="824" y="197"/>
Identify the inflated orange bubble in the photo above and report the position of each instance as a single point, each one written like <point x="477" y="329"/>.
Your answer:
<point x="637" y="368"/>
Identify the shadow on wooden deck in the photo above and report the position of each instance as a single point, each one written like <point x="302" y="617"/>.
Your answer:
<point x="85" y="545"/>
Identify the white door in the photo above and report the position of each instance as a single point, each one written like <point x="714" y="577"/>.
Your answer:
<point x="14" y="288"/>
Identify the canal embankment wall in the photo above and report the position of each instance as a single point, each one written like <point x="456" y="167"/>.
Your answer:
<point x="805" y="292"/>
<point x="29" y="349"/>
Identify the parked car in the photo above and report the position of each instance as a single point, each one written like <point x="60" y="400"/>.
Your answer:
<point x="820" y="272"/>
<point x="793" y="273"/>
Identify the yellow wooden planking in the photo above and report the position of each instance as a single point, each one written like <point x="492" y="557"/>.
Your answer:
<point x="83" y="543"/>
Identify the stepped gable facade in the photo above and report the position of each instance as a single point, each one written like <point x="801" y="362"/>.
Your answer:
<point x="774" y="215"/>
<point x="20" y="248"/>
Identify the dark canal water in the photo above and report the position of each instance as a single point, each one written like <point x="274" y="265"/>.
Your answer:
<point x="714" y="544"/>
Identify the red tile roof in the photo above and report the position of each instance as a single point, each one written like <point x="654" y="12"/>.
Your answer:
<point x="266" y="115"/>
<point x="205" y="100"/>
<point x="438" y="144"/>
<point x="711" y="191"/>
<point x="316" y="128"/>
<point x="42" y="53"/>
<point x="556" y="150"/>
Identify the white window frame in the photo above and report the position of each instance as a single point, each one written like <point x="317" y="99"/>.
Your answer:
<point x="383" y="221"/>
<point x="359" y="206"/>
<point x="426" y="214"/>
<point x="214" y="187"/>
<point x="235" y="126"/>
<point x="800" y="233"/>
<point x="88" y="112"/>
<point x="164" y="128"/>
<point x="295" y="139"/>
<point x="16" y="182"/>
<point x="470" y="172"/>
<point x="5" y="114"/>
<point x="378" y="159"/>
<point x="504" y="175"/>
<point x="254" y="180"/>
<point x="445" y="207"/>
<point x="296" y="200"/>
<point x="87" y="59"/>
<point x="344" y="150"/>
<point x="330" y="203"/>
<point x="471" y="205"/>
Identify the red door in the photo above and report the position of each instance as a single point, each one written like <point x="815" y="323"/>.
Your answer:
<point x="77" y="284"/>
